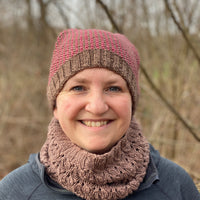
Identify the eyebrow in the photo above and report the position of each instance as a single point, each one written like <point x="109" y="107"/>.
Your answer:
<point x="80" y="80"/>
<point x="85" y="80"/>
<point x="114" y="81"/>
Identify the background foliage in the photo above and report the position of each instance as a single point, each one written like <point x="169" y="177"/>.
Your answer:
<point x="28" y="30"/>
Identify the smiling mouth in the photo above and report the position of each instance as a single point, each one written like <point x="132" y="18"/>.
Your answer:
<point x="95" y="123"/>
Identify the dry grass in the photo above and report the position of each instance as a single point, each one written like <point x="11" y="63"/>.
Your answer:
<point x="23" y="112"/>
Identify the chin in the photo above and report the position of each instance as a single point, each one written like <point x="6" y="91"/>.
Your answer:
<point x="100" y="150"/>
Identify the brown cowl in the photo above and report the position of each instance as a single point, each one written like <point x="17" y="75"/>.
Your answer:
<point x="111" y="176"/>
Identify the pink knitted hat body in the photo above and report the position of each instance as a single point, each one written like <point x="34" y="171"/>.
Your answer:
<point x="76" y="50"/>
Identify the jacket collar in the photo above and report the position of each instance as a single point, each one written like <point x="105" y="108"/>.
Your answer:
<point x="152" y="172"/>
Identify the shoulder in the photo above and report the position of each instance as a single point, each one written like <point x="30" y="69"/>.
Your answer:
<point x="20" y="183"/>
<point x="174" y="180"/>
<point x="170" y="171"/>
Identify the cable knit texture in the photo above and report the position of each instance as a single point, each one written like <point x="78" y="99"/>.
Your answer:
<point x="111" y="176"/>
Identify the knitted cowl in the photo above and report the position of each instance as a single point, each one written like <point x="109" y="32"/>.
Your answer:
<point x="111" y="176"/>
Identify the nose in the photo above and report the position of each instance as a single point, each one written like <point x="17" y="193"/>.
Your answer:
<point x="96" y="103"/>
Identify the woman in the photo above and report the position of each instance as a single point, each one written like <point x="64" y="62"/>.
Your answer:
<point x="95" y="148"/>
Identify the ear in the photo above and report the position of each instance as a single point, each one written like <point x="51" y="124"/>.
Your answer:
<point x="55" y="113"/>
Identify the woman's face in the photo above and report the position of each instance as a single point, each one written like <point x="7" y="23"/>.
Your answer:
<point x="94" y="109"/>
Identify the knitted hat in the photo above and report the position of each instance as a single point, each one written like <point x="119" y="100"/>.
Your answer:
<point x="76" y="50"/>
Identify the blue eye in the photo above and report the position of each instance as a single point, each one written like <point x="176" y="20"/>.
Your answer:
<point x="114" y="89"/>
<point x="77" y="88"/>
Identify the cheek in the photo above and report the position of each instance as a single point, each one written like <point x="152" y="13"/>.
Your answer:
<point x="63" y="104"/>
<point x="68" y="107"/>
<point x="65" y="114"/>
<point x="124" y="107"/>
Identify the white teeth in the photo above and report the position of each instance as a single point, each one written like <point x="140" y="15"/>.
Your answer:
<point x="95" y="124"/>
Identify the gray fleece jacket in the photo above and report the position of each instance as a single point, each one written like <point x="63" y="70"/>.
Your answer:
<point x="164" y="180"/>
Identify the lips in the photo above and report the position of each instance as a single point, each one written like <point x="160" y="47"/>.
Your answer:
<point x="95" y="123"/>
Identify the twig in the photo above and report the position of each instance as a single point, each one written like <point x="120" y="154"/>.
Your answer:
<point x="169" y="106"/>
<point x="151" y="83"/>
<point x="64" y="17"/>
<point x="182" y="31"/>
<point x="109" y="16"/>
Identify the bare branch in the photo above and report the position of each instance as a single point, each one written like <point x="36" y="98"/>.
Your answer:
<point x="182" y="31"/>
<point x="43" y="21"/>
<point x="29" y="16"/>
<point x="151" y="83"/>
<point x="180" y="15"/>
<point x="192" y="11"/>
<point x="114" y="24"/>
<point x="64" y="17"/>
<point x="169" y="106"/>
